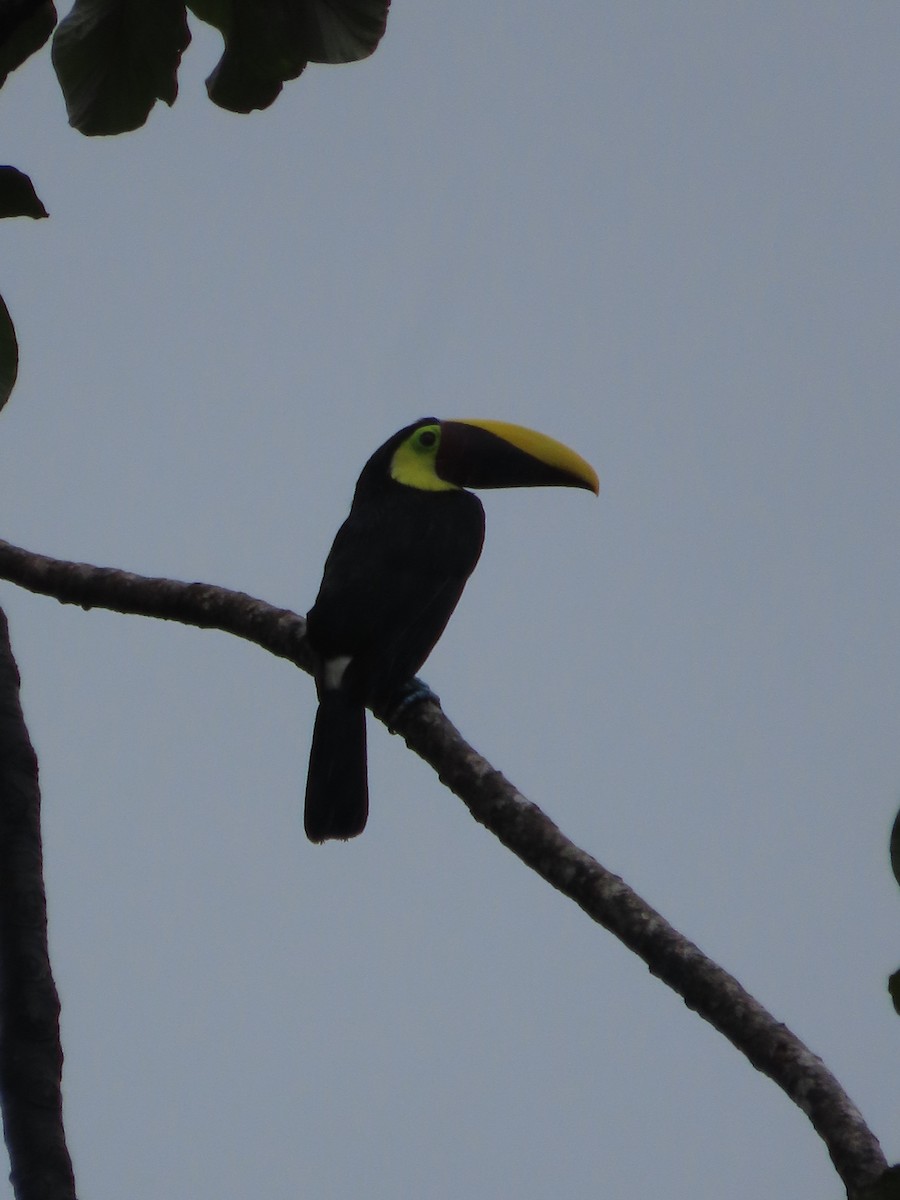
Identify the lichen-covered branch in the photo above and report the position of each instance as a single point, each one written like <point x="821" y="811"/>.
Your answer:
<point x="705" y="987"/>
<point x="277" y="630"/>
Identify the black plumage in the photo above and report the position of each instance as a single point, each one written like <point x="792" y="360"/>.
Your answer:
<point x="394" y="575"/>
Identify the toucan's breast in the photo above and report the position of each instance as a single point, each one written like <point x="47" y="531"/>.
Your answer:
<point x="395" y="573"/>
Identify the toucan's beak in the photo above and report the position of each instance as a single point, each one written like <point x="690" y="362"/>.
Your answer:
<point x="494" y="454"/>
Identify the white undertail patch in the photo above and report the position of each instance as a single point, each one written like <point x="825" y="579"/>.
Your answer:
<point x="333" y="672"/>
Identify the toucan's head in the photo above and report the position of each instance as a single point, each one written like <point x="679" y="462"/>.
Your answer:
<point x="438" y="456"/>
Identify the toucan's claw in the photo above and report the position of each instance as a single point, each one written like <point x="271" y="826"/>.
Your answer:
<point x="414" y="692"/>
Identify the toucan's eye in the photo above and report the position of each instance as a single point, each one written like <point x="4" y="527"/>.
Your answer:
<point x="415" y="461"/>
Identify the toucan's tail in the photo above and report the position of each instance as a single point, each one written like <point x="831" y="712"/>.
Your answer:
<point x="337" y="789"/>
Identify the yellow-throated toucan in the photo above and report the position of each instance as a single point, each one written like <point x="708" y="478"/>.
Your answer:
<point x="394" y="575"/>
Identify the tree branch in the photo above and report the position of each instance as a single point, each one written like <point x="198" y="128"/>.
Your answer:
<point x="30" y="1050"/>
<point x="277" y="630"/>
<point x="705" y="987"/>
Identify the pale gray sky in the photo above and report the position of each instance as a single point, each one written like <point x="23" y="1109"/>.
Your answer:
<point x="667" y="235"/>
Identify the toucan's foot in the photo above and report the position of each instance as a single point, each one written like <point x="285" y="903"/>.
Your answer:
<point x="414" y="692"/>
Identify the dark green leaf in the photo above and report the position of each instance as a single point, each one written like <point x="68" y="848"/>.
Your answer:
<point x="24" y="27"/>
<point x="895" y="847"/>
<point x="9" y="354"/>
<point x="17" y="195"/>
<point x="270" y="41"/>
<point x="894" y="989"/>
<point x="116" y="58"/>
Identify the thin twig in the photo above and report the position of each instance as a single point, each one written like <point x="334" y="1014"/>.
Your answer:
<point x="705" y="987"/>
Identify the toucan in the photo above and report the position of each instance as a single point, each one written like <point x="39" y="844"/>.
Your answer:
<point x="393" y="577"/>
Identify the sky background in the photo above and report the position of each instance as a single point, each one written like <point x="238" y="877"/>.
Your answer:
<point x="665" y="234"/>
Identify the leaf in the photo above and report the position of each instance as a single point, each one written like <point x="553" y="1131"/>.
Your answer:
<point x="894" y="990"/>
<point x="115" y="58"/>
<point x="24" y="27"/>
<point x="270" y="41"/>
<point x="9" y="354"/>
<point x="895" y="847"/>
<point x="17" y="195"/>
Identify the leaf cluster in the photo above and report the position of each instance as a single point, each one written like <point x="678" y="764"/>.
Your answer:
<point x="115" y="58"/>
